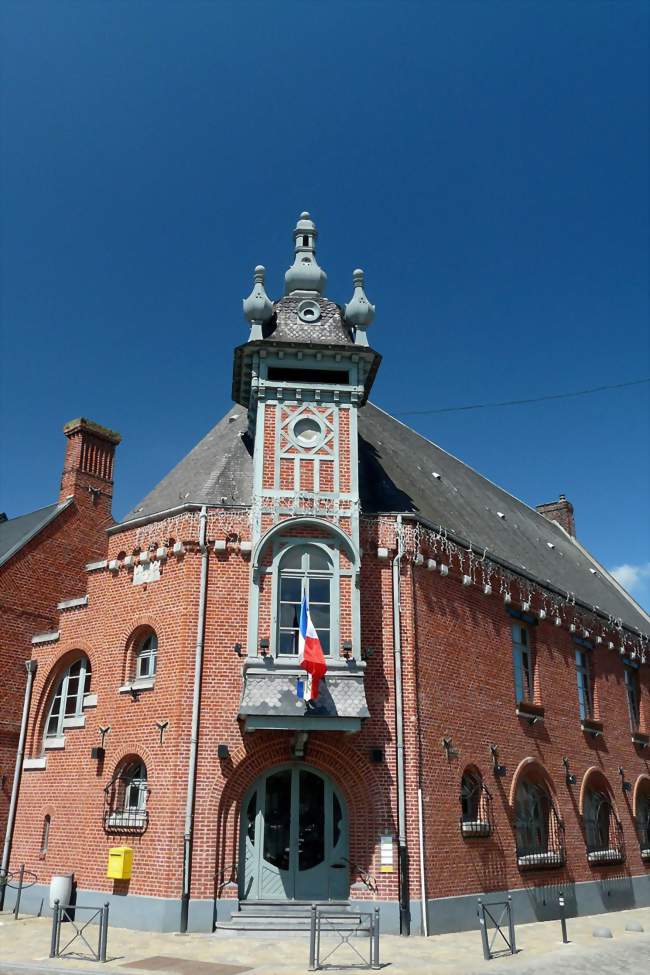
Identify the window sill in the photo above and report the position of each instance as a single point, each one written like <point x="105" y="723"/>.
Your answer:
<point x="528" y="710"/>
<point x="470" y="828"/>
<point x="53" y="744"/>
<point x="140" y="684"/>
<point x="541" y="861"/>
<point x="610" y="855"/>
<point x="78" y="721"/>
<point x="640" y="739"/>
<point x="32" y="764"/>
<point x="592" y="727"/>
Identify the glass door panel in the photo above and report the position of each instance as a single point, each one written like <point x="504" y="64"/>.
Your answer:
<point x="311" y="821"/>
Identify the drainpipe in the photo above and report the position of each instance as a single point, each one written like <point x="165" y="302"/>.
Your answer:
<point x="31" y="667"/>
<point x="194" y="740"/>
<point x="402" y="852"/>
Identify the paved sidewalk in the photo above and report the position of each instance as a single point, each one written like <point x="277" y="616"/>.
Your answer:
<point x="24" y="946"/>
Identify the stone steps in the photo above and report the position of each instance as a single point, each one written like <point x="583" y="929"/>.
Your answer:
<point x="281" y="916"/>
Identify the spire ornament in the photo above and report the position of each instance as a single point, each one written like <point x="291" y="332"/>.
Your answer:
<point x="305" y="274"/>
<point x="359" y="313"/>
<point x="258" y="307"/>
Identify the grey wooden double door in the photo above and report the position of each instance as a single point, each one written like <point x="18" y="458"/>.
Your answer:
<point x="294" y="838"/>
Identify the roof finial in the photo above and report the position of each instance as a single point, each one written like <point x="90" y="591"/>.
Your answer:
<point x="258" y="307"/>
<point x="305" y="274"/>
<point x="359" y="312"/>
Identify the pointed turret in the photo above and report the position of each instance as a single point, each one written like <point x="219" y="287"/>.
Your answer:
<point x="305" y="274"/>
<point x="359" y="313"/>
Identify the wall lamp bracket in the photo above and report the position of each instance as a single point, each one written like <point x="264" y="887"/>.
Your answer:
<point x="347" y="649"/>
<point x="264" y="647"/>
<point x="238" y="649"/>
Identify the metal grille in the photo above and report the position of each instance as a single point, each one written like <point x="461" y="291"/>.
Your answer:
<point x="476" y="807"/>
<point x="540" y="831"/>
<point x="125" y="801"/>
<point x="603" y="831"/>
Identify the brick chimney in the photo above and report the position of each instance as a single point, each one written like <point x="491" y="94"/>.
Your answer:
<point x="560" y="511"/>
<point x="88" y="468"/>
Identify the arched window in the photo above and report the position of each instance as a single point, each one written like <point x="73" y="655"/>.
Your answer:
<point x="603" y="831"/>
<point x="126" y="798"/>
<point x="304" y="570"/>
<point x="146" y="657"/>
<point x="643" y="821"/>
<point x="67" y="702"/>
<point x="475" y="801"/>
<point x="540" y="834"/>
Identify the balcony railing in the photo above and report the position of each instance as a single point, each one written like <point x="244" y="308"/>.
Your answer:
<point x="604" y="833"/>
<point x="540" y="838"/>
<point x="643" y="831"/>
<point x="476" y="810"/>
<point x="125" y="805"/>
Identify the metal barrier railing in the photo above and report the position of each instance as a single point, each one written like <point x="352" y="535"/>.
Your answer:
<point x="25" y="879"/>
<point x="68" y="912"/>
<point x="345" y="925"/>
<point x="485" y="915"/>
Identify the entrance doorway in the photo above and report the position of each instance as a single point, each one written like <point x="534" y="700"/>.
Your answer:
<point x="294" y="838"/>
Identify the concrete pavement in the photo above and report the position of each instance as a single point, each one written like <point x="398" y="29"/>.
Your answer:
<point x="24" y="947"/>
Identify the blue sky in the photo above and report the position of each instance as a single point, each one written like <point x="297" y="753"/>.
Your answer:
<point x="485" y="162"/>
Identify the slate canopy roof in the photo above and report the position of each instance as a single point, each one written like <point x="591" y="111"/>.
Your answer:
<point x="396" y="468"/>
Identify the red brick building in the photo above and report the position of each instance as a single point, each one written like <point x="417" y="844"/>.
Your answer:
<point x="483" y="724"/>
<point x="43" y="556"/>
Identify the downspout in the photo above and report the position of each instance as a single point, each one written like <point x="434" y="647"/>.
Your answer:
<point x="31" y="667"/>
<point x="194" y="739"/>
<point x="402" y="852"/>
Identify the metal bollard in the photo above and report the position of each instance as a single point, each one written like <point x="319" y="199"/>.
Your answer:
<point x="375" y="940"/>
<point x="484" y="934"/>
<point x="511" y="927"/>
<point x="19" y="892"/>
<point x="103" y="932"/>
<point x="55" y="925"/>
<point x="565" y="939"/>
<point x="312" y="939"/>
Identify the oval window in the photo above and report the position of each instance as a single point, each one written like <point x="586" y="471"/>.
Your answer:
<point x="307" y="431"/>
<point x="309" y="311"/>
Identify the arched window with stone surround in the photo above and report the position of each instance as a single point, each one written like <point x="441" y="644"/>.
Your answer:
<point x="146" y="657"/>
<point x="539" y="830"/>
<point x="642" y="817"/>
<point x="475" y="805"/>
<point x="306" y="569"/>
<point x="66" y="705"/>
<point x="603" y="830"/>
<point x="126" y="798"/>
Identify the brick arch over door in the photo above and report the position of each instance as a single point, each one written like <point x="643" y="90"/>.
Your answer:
<point x="365" y="793"/>
<point x="49" y="681"/>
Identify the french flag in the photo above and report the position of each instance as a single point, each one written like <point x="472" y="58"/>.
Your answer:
<point x="310" y="652"/>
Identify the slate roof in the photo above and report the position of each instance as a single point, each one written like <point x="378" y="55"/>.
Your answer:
<point x="286" y="326"/>
<point x="396" y="467"/>
<point x="16" y="532"/>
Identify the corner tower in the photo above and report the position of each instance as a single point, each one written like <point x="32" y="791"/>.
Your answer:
<point x="303" y="375"/>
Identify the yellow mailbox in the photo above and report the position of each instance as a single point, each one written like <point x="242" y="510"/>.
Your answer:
<point x="120" y="861"/>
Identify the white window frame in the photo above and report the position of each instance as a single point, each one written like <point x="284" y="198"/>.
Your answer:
<point x="61" y="695"/>
<point x="282" y="548"/>
<point x="147" y="651"/>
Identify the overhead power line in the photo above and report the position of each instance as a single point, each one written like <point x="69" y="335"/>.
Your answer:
<point x="521" y="402"/>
